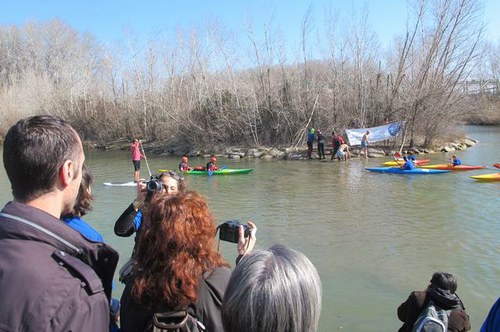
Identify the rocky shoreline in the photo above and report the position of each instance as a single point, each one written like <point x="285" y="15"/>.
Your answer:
<point x="288" y="153"/>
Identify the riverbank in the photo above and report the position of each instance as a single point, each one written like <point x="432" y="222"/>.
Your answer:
<point x="287" y="153"/>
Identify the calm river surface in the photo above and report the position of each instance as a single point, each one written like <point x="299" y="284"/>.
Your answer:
<point x="373" y="237"/>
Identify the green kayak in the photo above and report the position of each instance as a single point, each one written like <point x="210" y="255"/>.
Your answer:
<point x="225" y="171"/>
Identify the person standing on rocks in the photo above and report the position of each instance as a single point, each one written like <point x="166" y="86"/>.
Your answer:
<point x="364" y="144"/>
<point x="310" y="141"/>
<point x="321" y="143"/>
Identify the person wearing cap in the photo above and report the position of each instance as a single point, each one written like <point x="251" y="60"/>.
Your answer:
<point x="211" y="164"/>
<point x="455" y="161"/>
<point x="183" y="165"/>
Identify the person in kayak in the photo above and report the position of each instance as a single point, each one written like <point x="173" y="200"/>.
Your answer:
<point x="411" y="156"/>
<point x="455" y="161"/>
<point x="211" y="166"/>
<point x="183" y="165"/>
<point x="408" y="165"/>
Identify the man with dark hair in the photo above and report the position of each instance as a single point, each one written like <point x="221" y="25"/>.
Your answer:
<point x="51" y="277"/>
<point x="441" y="290"/>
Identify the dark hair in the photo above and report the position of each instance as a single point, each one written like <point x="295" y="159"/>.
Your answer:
<point x="82" y="202"/>
<point x="175" y="250"/>
<point x="35" y="148"/>
<point x="444" y="280"/>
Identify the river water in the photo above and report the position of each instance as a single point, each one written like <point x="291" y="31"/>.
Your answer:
<point x="373" y="237"/>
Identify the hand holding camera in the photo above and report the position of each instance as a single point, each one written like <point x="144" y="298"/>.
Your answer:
<point x="244" y="235"/>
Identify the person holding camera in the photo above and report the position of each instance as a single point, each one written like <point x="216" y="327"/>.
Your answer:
<point x="130" y="221"/>
<point x="177" y="265"/>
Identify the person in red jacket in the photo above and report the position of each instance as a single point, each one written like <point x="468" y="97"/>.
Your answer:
<point x="183" y="165"/>
<point x="211" y="167"/>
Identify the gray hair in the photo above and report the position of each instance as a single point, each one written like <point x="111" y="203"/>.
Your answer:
<point x="275" y="290"/>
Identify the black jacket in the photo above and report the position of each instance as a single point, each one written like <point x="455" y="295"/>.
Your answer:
<point x="135" y="317"/>
<point x="409" y="310"/>
<point x="51" y="277"/>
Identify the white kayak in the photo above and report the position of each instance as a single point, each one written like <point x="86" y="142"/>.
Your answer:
<point x="120" y="184"/>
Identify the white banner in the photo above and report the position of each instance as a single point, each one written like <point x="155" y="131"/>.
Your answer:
<point x="380" y="133"/>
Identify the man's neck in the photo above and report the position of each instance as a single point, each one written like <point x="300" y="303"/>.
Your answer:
<point x="48" y="203"/>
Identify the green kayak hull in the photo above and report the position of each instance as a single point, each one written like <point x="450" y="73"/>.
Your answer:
<point x="226" y="171"/>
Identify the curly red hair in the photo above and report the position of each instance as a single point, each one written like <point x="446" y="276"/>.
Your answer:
<point x="175" y="250"/>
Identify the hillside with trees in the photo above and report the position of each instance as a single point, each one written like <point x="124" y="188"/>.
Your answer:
<point x="205" y="87"/>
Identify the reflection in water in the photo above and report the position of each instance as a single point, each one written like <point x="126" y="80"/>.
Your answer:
<point x="373" y="237"/>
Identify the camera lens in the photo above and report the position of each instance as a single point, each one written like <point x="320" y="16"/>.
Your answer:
<point x="153" y="185"/>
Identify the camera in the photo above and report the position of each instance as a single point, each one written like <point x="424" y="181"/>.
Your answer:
<point x="229" y="231"/>
<point x="153" y="185"/>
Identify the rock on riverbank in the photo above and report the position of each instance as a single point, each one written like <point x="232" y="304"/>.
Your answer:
<point x="288" y="153"/>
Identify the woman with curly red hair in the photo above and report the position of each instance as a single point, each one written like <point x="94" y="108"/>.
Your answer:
<point x="178" y="267"/>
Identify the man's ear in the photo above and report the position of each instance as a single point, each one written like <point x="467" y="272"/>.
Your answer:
<point x="67" y="172"/>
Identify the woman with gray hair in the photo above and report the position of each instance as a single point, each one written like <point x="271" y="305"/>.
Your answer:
<point x="275" y="290"/>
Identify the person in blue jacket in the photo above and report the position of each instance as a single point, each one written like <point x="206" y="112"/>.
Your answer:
<point x="408" y="165"/>
<point x="411" y="156"/>
<point x="455" y="161"/>
<point x="81" y="207"/>
<point x="492" y="322"/>
<point x="74" y="220"/>
<point x="310" y="140"/>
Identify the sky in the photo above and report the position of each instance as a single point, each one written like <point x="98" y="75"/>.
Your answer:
<point x="108" y="19"/>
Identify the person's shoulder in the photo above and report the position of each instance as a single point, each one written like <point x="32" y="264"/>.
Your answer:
<point x="219" y="274"/>
<point x="62" y="293"/>
<point x="216" y="281"/>
<point x="84" y="228"/>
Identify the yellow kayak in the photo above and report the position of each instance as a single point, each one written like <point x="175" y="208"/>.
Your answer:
<point x="402" y="162"/>
<point x="487" y="177"/>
